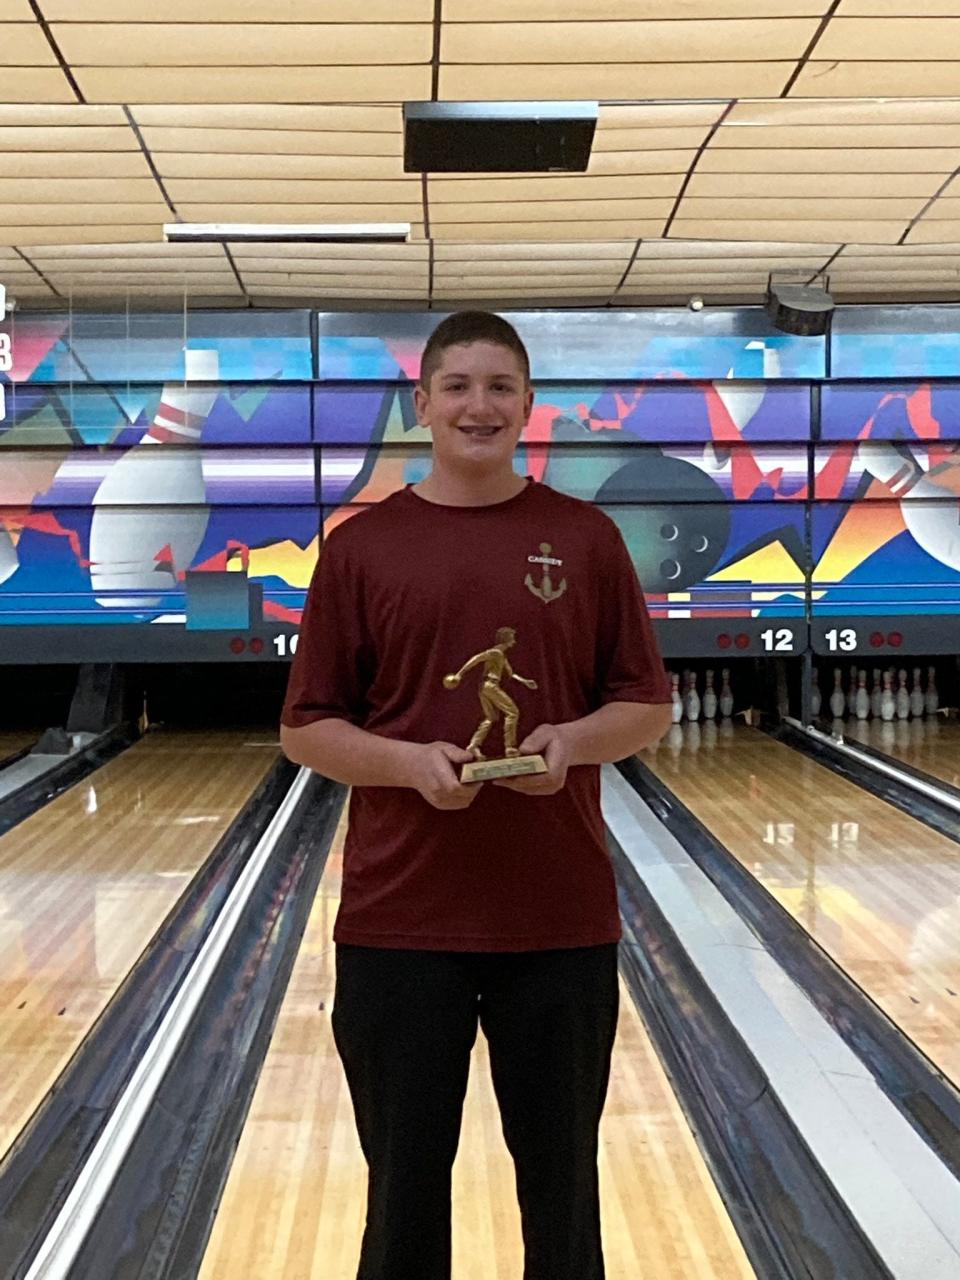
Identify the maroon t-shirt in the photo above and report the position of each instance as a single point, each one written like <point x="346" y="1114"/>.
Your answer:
<point x="403" y="594"/>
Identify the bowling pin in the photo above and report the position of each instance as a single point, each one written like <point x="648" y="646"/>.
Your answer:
<point x="675" y="738"/>
<point x="691" y="703"/>
<point x="726" y="694"/>
<point x="815" y="694"/>
<point x="916" y="694"/>
<point x="888" y="703"/>
<point x="691" y="735"/>
<point x="875" y="694"/>
<point x="153" y="499"/>
<point x="931" y="699"/>
<point x="852" y="692"/>
<point x="861" y="701"/>
<point x="676" y="702"/>
<point x="903" y="697"/>
<point x="709" y="697"/>
<point x="837" y="701"/>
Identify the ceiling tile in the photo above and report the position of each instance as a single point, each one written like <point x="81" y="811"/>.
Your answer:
<point x="860" y="79"/>
<point x="548" y="210"/>
<point x="36" y="84"/>
<point x="63" y="138"/>
<point x="286" y="11"/>
<point x="523" y="83"/>
<point x="752" y="228"/>
<point x="72" y="191"/>
<point x="354" y="193"/>
<point x="912" y="38"/>
<point x="552" y="187"/>
<point x="207" y="45"/>
<point x="23" y="44"/>
<point x="540" y="231"/>
<point x="753" y="40"/>
<point x="60" y="165"/>
<point x="213" y="165"/>
<point x="252" y="84"/>
<point x="810" y="160"/>
<point x="271" y="142"/>
<point x="613" y="10"/>
<point x="815" y="186"/>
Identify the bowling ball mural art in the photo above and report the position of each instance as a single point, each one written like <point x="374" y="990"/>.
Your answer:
<point x="672" y="517"/>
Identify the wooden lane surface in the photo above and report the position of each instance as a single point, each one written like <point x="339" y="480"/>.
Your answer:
<point x="295" y="1201"/>
<point x="86" y="882"/>
<point x="12" y="741"/>
<point x="879" y="891"/>
<point x="931" y="745"/>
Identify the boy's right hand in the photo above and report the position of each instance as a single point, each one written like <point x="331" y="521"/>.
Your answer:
<point x="435" y="773"/>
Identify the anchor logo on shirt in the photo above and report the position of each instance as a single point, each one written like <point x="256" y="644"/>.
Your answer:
<point x="546" y="590"/>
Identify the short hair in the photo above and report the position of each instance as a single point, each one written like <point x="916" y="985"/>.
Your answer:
<point x="504" y="634"/>
<point x="463" y="327"/>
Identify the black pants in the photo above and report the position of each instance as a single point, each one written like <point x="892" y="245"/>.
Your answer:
<point x="404" y="1024"/>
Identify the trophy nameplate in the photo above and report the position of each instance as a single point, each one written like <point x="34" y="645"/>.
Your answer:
<point x="494" y="702"/>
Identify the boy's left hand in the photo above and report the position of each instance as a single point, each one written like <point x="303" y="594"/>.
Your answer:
<point x="549" y="741"/>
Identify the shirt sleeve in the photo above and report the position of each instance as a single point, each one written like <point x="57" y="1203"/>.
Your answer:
<point x="629" y="666"/>
<point x="332" y="667"/>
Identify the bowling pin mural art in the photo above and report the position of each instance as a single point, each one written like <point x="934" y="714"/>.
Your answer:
<point x="150" y="512"/>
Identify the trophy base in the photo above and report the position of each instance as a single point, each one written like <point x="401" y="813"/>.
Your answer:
<point x="508" y="767"/>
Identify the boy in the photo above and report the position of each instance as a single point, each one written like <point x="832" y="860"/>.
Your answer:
<point x="493" y="901"/>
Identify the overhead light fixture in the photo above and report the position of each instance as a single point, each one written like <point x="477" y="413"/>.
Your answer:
<point x="798" y="303"/>
<point x="498" y="137"/>
<point x="288" y="232"/>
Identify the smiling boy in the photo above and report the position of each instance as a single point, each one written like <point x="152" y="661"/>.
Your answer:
<point x="490" y="903"/>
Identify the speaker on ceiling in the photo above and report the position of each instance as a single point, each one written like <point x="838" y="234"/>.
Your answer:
<point x="803" y="309"/>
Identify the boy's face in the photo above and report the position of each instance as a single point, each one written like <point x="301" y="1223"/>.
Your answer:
<point x="476" y="406"/>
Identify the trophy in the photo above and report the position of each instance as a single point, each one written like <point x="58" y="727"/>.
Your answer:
<point x="494" y="702"/>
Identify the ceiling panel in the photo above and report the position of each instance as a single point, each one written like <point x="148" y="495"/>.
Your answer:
<point x="77" y="233"/>
<point x="552" y="187"/>
<point x="52" y="214"/>
<point x="382" y="196"/>
<point x="272" y="11"/>
<point x="752" y="228"/>
<point x="30" y="191"/>
<point x="372" y="253"/>
<point x="540" y="231"/>
<point x="810" y="160"/>
<point x="685" y="138"/>
<point x="893" y="8"/>
<point x="753" y="40"/>
<point x="272" y="142"/>
<point x="36" y="84"/>
<point x="680" y="248"/>
<point x="912" y="38"/>
<point x="208" y="44"/>
<point x="547" y="210"/>
<point x="252" y="84"/>
<point x="64" y="138"/>
<point x="338" y="169"/>
<point x="522" y="83"/>
<point x="61" y="165"/>
<point x="23" y="44"/>
<point x="816" y="186"/>
<point x="862" y="79"/>
<point x="306" y="118"/>
<point x="13" y="10"/>
<point x="613" y="10"/>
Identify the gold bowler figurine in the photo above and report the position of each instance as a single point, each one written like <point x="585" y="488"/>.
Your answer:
<point x="494" y="701"/>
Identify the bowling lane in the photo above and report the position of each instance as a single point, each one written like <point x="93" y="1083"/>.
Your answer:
<point x="86" y="882"/>
<point x="931" y="745"/>
<point x="295" y="1201"/>
<point x="12" y="742"/>
<point x="879" y="891"/>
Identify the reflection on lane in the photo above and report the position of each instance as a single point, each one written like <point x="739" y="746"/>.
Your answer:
<point x="931" y="745"/>
<point x="878" y="891"/>
<point x="295" y="1200"/>
<point x="86" y="882"/>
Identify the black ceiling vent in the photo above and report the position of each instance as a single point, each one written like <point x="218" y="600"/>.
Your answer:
<point x="498" y="137"/>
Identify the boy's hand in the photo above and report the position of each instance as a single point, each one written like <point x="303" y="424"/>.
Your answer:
<point x="435" y="773"/>
<point x="550" y="742"/>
